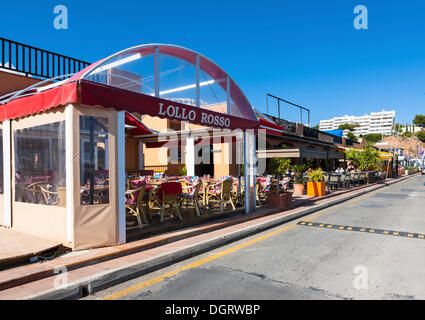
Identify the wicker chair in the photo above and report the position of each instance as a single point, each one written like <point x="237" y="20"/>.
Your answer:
<point x="134" y="204"/>
<point x="50" y="197"/>
<point x="222" y="192"/>
<point x="165" y="197"/>
<point x="193" y="198"/>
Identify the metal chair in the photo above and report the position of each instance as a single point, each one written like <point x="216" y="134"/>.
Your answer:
<point x="334" y="181"/>
<point x="355" y="177"/>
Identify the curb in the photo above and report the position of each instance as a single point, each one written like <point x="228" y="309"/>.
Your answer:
<point x="102" y="280"/>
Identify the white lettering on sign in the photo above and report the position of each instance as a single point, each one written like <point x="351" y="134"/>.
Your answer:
<point x="182" y="113"/>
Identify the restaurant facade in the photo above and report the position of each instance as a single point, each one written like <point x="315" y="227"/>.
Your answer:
<point x="77" y="139"/>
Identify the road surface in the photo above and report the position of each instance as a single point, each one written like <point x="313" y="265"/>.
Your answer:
<point x="326" y="260"/>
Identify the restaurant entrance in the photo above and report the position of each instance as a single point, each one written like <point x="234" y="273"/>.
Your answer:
<point x="205" y="169"/>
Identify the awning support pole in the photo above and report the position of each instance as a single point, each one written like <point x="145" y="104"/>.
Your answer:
<point x="69" y="160"/>
<point x="249" y="173"/>
<point x="246" y="170"/>
<point x="121" y="176"/>
<point x="7" y="155"/>
<point x="156" y="71"/>
<point x="190" y="155"/>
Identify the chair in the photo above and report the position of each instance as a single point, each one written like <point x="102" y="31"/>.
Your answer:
<point x="169" y="192"/>
<point x="222" y="191"/>
<point x="362" y="178"/>
<point x="50" y="197"/>
<point x="33" y="192"/>
<point x="355" y="177"/>
<point x="193" y="198"/>
<point x="134" y="204"/>
<point x="347" y="180"/>
<point x="153" y="200"/>
<point x="334" y="181"/>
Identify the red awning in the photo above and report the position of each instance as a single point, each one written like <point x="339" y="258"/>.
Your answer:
<point x="42" y="101"/>
<point x="271" y="127"/>
<point x="120" y="99"/>
<point x="140" y="129"/>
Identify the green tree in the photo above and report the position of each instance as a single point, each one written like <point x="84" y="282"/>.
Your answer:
<point x="419" y="120"/>
<point x="278" y="166"/>
<point x="316" y="127"/>
<point x="373" y="137"/>
<point x="406" y="134"/>
<point x="366" y="159"/>
<point x="348" y="126"/>
<point x="421" y="135"/>
<point x="351" y="136"/>
<point x="397" y="127"/>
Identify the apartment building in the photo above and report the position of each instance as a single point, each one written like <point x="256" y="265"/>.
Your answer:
<point x="377" y="122"/>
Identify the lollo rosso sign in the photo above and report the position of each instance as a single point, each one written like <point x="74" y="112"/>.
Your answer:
<point x="198" y="116"/>
<point x="92" y="93"/>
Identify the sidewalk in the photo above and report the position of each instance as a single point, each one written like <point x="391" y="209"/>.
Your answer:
<point x="92" y="270"/>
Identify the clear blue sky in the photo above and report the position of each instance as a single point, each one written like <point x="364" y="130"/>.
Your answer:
<point x="307" y="52"/>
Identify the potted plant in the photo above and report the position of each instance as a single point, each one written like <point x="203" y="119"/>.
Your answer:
<point x="278" y="197"/>
<point x="316" y="187"/>
<point x="299" y="182"/>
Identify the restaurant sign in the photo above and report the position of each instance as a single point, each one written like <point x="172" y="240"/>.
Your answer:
<point x="183" y="114"/>
<point x="120" y="99"/>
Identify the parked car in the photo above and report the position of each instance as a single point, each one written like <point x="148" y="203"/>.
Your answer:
<point x="423" y="170"/>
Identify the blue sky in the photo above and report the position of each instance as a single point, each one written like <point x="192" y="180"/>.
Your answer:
<point x="307" y="52"/>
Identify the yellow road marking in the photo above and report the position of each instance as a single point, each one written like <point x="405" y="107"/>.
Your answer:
<point x="410" y="235"/>
<point x="385" y="232"/>
<point x="362" y="229"/>
<point x="395" y="233"/>
<point x="372" y="231"/>
<point x="192" y="265"/>
<point x="421" y="236"/>
<point x="349" y="228"/>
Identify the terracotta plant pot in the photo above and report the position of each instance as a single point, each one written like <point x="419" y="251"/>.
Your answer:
<point x="299" y="189"/>
<point x="280" y="201"/>
<point x="316" y="189"/>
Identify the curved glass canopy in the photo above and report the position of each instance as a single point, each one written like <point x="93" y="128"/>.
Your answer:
<point x="173" y="73"/>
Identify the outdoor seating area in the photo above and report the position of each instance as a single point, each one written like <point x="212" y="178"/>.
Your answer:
<point x="152" y="200"/>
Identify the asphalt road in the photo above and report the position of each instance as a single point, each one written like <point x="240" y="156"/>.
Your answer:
<point x="296" y="261"/>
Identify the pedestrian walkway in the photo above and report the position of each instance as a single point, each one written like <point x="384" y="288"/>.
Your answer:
<point x="90" y="270"/>
<point x="16" y="247"/>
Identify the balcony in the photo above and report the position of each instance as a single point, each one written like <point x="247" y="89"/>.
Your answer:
<point x="34" y="62"/>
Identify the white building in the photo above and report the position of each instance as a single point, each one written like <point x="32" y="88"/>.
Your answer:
<point x="377" y="122"/>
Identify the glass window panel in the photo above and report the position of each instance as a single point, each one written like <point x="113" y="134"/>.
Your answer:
<point x="212" y="95"/>
<point x="94" y="160"/>
<point x="133" y="71"/>
<point x="40" y="164"/>
<point x="177" y="80"/>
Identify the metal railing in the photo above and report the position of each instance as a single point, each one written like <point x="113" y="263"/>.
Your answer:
<point x="30" y="61"/>
<point x="288" y="126"/>
<point x="279" y="100"/>
<point x="337" y="139"/>
<point x="310" y="132"/>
